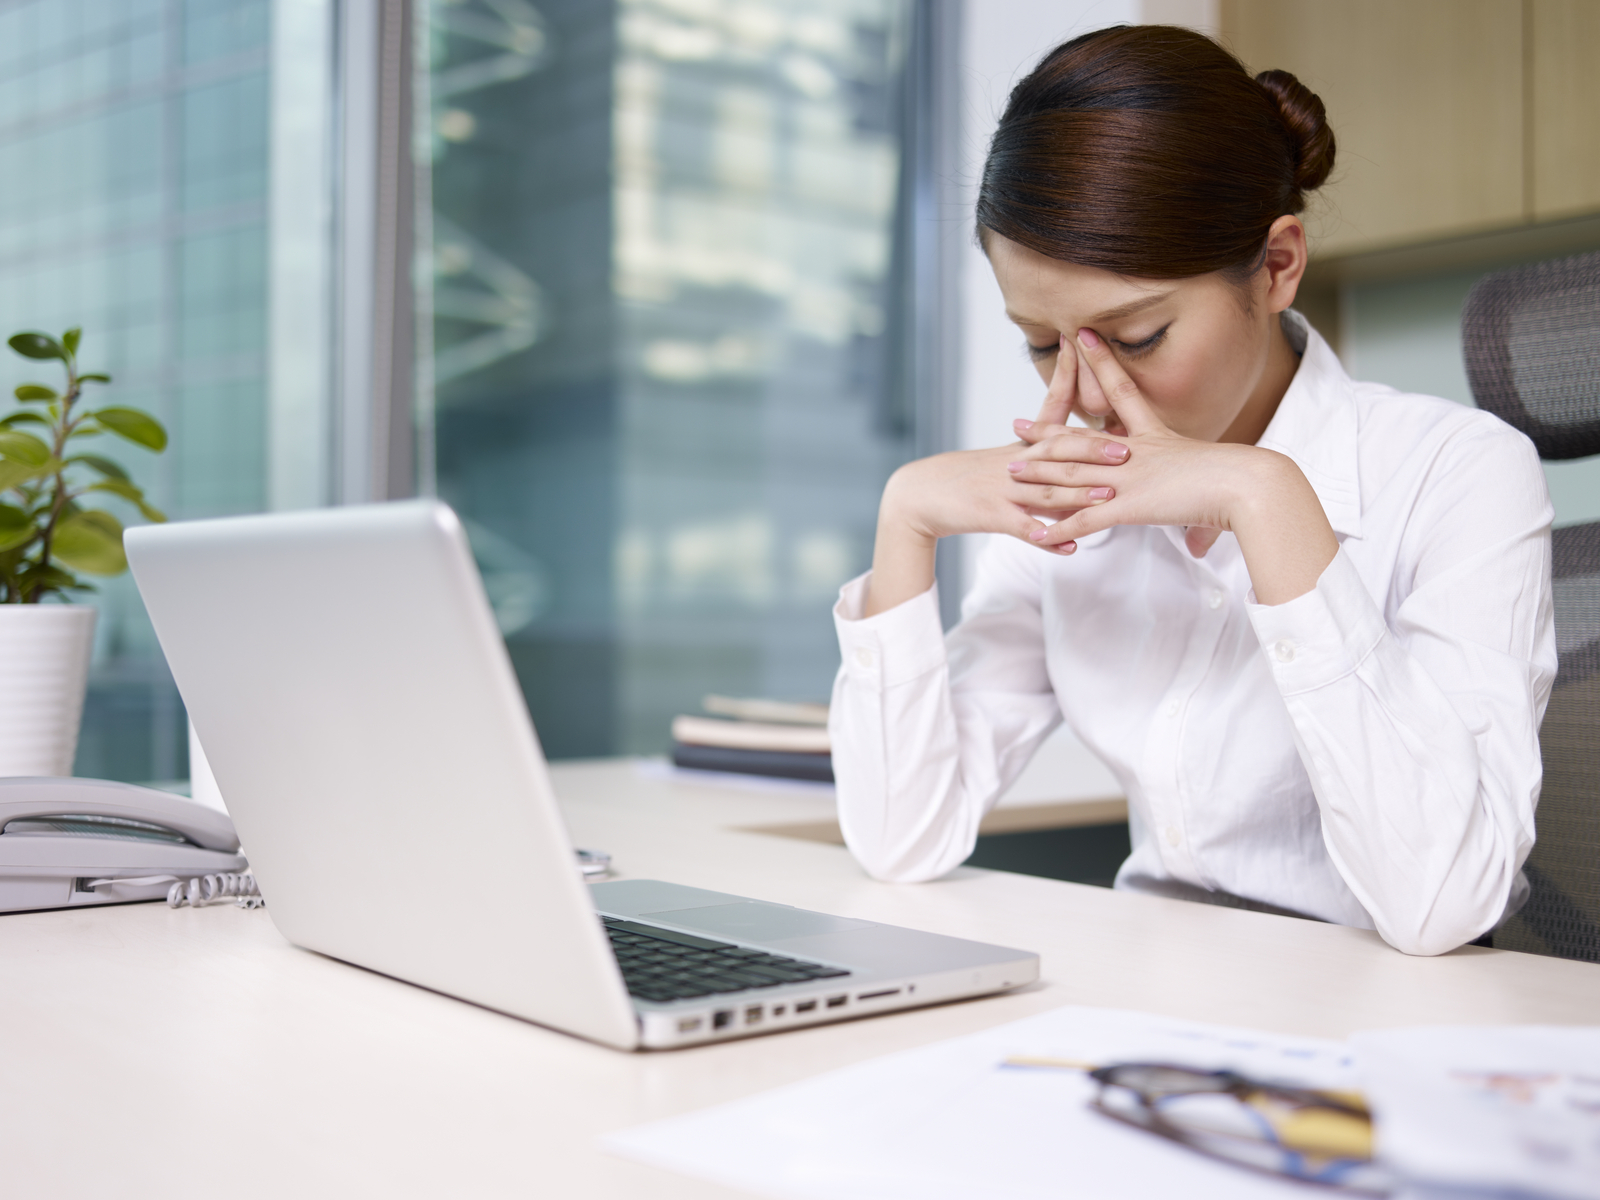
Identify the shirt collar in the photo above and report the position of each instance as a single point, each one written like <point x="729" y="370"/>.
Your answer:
<point x="1316" y="426"/>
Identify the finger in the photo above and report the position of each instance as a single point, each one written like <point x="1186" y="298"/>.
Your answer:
<point x="1200" y="539"/>
<point x="1063" y="389"/>
<point x="1091" y="396"/>
<point x="1079" y="525"/>
<point x="1072" y="445"/>
<point x="1053" y="502"/>
<point x="1121" y="393"/>
<point x="1059" y="548"/>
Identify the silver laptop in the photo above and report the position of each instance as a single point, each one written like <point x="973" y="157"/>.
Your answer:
<point x="343" y="670"/>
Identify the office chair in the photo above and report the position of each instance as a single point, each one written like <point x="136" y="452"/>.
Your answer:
<point x="1531" y="338"/>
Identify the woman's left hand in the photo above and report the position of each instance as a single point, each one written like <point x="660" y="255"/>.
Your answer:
<point x="1168" y="479"/>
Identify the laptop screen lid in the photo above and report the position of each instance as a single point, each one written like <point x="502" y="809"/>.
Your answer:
<point x="355" y="700"/>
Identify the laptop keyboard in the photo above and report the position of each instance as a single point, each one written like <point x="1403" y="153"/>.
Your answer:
<point x="660" y="964"/>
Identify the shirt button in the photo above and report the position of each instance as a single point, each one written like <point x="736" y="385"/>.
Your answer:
<point x="1215" y="599"/>
<point x="863" y="657"/>
<point x="1284" y="651"/>
<point x="1173" y="837"/>
<point x="1172" y="709"/>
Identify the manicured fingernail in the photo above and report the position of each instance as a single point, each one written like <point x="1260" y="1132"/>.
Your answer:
<point x="1089" y="338"/>
<point x="1015" y="467"/>
<point x="1116" y="451"/>
<point x="1065" y="547"/>
<point x="1038" y="534"/>
<point x="1021" y="426"/>
<point x="1098" y="494"/>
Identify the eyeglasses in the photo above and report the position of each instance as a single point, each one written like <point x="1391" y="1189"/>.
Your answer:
<point x="1313" y="1136"/>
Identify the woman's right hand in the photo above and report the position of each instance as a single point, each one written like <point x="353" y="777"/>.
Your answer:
<point x="971" y="491"/>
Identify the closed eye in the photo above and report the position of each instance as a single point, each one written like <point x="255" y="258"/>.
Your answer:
<point x="1140" y="349"/>
<point x="1041" y="352"/>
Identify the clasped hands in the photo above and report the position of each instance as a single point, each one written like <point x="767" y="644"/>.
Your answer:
<point x="1136" y="471"/>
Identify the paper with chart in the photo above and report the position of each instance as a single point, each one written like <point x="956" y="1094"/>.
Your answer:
<point x="953" y="1121"/>
<point x="1507" y="1109"/>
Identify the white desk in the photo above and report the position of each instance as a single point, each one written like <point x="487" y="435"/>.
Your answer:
<point x="155" y="1052"/>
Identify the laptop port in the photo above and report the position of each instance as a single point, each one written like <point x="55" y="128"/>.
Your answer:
<point x="722" y="1018"/>
<point x="878" y="995"/>
<point x="752" y="1015"/>
<point x="805" y="1006"/>
<point x="690" y="1024"/>
<point x="779" y="1009"/>
<point x="837" y="1001"/>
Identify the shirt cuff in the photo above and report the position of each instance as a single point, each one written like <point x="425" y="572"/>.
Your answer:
<point x="894" y="647"/>
<point x="1322" y="636"/>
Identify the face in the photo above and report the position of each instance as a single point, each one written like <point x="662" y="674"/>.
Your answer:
<point x="1208" y="356"/>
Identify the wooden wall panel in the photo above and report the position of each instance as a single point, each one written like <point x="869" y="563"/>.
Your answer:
<point x="1564" y="90"/>
<point x="1425" y="97"/>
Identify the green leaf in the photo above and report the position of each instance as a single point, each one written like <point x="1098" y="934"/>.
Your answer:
<point x="90" y="541"/>
<point x="23" y="448"/>
<point x="94" y="377"/>
<point x="134" y="495"/>
<point x="139" y="428"/>
<point x="36" y="345"/>
<point x="16" y="527"/>
<point x="70" y="340"/>
<point x="105" y="466"/>
<point x="24" y="418"/>
<point x="34" y="578"/>
<point x="13" y="474"/>
<point x="36" y="391"/>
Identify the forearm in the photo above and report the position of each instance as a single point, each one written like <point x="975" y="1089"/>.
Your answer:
<point x="1283" y="533"/>
<point x="1424" y="757"/>
<point x="903" y="556"/>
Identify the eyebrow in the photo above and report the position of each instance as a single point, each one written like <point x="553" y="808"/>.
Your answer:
<point x="1110" y="314"/>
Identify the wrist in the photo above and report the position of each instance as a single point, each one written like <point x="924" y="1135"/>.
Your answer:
<point x="1284" y="535"/>
<point x="900" y="517"/>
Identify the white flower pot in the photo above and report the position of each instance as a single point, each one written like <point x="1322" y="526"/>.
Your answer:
<point x="44" y="672"/>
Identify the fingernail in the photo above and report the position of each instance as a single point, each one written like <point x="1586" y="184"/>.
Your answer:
<point x="1065" y="547"/>
<point x="1015" y="467"/>
<point x="1100" y="493"/>
<point x="1116" y="451"/>
<point x="1089" y="338"/>
<point x="1038" y="534"/>
<point x="1021" y="426"/>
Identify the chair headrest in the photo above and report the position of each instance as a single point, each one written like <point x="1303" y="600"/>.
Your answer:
<point x="1531" y="338"/>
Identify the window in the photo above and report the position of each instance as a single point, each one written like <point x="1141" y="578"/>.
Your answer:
<point x="667" y="247"/>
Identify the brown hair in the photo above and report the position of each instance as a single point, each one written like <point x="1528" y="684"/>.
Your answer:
<point x="1148" y="150"/>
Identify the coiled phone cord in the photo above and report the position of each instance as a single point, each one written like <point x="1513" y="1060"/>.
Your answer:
<point x="200" y="891"/>
<point x="216" y="889"/>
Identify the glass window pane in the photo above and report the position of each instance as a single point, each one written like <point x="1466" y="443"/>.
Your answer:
<point x="663" y="271"/>
<point x="137" y="207"/>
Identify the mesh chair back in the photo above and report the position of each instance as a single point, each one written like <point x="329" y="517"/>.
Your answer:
<point x="1562" y="916"/>
<point x="1531" y="338"/>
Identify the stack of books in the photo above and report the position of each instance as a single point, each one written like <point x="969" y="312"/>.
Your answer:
<point x="756" y="737"/>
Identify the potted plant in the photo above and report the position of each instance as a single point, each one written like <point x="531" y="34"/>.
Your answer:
<point x="48" y="536"/>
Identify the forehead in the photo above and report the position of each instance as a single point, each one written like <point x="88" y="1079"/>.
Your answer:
<point x="1043" y="290"/>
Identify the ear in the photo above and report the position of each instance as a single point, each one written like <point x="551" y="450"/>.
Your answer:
<point x="1285" y="262"/>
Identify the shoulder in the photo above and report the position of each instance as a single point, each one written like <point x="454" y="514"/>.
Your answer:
<point x="1409" y="431"/>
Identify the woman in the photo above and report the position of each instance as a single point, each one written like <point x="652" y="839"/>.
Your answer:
<point x="1305" y="621"/>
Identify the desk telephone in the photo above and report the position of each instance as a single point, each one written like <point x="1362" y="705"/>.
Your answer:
<point x="65" y="843"/>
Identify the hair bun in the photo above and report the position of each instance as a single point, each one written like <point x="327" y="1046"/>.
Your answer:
<point x="1307" y="122"/>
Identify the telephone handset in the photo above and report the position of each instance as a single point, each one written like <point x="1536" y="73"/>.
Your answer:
<point x="71" y="842"/>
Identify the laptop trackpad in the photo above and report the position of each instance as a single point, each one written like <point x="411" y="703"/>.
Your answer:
<point x="753" y="921"/>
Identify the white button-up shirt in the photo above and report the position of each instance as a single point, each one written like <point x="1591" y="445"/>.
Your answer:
<point x="1366" y="753"/>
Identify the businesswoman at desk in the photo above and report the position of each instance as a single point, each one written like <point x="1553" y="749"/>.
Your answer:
<point x="1306" y="621"/>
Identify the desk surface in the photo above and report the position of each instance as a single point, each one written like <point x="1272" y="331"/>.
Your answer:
<point x="151" y="1050"/>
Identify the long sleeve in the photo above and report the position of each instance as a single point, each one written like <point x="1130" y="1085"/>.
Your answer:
<point x="927" y="731"/>
<point x="1420" y="732"/>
